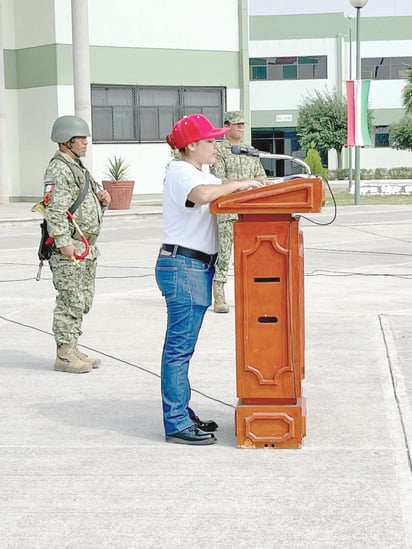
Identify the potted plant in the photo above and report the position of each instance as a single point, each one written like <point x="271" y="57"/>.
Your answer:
<point x="118" y="186"/>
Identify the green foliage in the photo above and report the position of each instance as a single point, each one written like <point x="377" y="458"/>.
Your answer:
<point x="322" y="122"/>
<point x="402" y="172"/>
<point x="400" y="135"/>
<point x="117" y="169"/>
<point x="407" y="93"/>
<point x="315" y="163"/>
<point x="366" y="174"/>
<point x="342" y="174"/>
<point x="381" y="173"/>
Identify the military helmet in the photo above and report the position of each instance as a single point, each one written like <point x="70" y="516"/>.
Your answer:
<point x="66" y="127"/>
<point x="234" y="117"/>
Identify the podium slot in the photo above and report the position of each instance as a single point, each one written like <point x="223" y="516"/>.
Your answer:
<point x="267" y="279"/>
<point x="267" y="319"/>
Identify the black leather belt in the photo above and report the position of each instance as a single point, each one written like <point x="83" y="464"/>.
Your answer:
<point x="194" y="254"/>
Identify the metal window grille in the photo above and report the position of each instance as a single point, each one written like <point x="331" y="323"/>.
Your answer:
<point x="147" y="114"/>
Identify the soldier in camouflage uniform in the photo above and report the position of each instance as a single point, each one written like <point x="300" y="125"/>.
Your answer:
<point x="230" y="166"/>
<point x="73" y="280"/>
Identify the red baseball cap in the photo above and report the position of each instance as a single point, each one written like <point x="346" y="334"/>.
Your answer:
<point x="193" y="128"/>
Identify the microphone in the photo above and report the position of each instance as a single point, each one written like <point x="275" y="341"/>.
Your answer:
<point x="247" y="151"/>
<point x="251" y="151"/>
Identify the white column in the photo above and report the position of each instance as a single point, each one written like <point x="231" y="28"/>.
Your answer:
<point x="4" y="191"/>
<point x="81" y="66"/>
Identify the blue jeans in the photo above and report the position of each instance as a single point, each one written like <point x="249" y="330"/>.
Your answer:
<point x="186" y="285"/>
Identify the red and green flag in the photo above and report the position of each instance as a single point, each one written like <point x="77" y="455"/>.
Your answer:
<point x="357" y="95"/>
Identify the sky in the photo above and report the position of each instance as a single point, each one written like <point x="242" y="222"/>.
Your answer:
<point x="374" y="8"/>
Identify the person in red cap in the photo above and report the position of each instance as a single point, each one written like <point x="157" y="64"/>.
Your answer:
<point x="185" y="267"/>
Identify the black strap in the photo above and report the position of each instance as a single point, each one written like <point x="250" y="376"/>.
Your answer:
<point x="82" y="195"/>
<point x="84" y="190"/>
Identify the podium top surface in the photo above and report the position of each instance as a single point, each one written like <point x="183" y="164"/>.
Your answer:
<point x="301" y="195"/>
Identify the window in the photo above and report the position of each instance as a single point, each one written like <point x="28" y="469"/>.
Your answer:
<point x="381" y="136"/>
<point x="278" y="141"/>
<point x="147" y="114"/>
<point x="385" y="68"/>
<point x="310" y="67"/>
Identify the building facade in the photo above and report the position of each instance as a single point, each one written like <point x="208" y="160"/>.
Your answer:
<point x="151" y="63"/>
<point x="293" y="53"/>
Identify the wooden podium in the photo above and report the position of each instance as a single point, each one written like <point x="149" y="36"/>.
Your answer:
<point x="269" y="309"/>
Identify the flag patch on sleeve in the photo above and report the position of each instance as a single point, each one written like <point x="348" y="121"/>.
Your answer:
<point x="48" y="192"/>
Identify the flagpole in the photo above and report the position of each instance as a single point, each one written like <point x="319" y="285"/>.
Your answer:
<point x="358" y="4"/>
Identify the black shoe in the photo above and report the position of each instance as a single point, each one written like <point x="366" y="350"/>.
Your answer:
<point x="208" y="426"/>
<point x="192" y="435"/>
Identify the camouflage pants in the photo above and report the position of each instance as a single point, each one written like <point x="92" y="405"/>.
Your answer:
<point x="225" y="226"/>
<point x="75" y="285"/>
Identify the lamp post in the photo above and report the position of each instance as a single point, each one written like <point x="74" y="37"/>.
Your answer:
<point x="350" y="78"/>
<point x="358" y="4"/>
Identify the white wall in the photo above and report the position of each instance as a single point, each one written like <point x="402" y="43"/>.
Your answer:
<point x="36" y="114"/>
<point x="288" y="48"/>
<point x="371" y="158"/>
<point x="34" y="23"/>
<point x="386" y="94"/>
<point x="165" y="24"/>
<point x="147" y="164"/>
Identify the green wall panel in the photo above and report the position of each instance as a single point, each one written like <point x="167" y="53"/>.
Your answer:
<point x="37" y="67"/>
<point x="384" y="117"/>
<point x="164" y="67"/>
<point x="290" y="27"/>
<point x="52" y="65"/>
<point x="10" y="69"/>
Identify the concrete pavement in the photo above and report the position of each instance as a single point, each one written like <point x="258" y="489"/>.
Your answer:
<point x="83" y="462"/>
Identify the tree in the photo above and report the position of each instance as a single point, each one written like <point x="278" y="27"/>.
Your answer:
<point x="407" y="93"/>
<point x="322" y="122"/>
<point x="400" y="134"/>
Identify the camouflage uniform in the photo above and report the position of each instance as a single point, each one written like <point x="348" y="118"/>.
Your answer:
<point x="63" y="182"/>
<point x="231" y="166"/>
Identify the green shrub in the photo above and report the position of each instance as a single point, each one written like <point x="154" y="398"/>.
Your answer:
<point x="342" y="173"/>
<point x="315" y="163"/>
<point x="400" y="173"/>
<point x="381" y="173"/>
<point x="366" y="174"/>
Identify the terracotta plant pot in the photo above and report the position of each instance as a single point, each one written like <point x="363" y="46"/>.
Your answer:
<point x="121" y="193"/>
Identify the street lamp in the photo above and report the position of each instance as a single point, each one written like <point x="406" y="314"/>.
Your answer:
<point x="358" y="4"/>
<point x="350" y="78"/>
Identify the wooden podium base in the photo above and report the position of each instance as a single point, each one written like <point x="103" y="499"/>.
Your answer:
<point x="270" y="425"/>
<point x="269" y="312"/>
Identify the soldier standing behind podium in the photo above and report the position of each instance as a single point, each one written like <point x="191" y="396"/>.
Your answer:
<point x="74" y="281"/>
<point x="230" y="166"/>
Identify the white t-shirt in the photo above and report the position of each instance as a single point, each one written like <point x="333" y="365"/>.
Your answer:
<point x="191" y="227"/>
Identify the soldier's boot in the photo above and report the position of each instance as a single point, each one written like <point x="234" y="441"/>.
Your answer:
<point x="67" y="361"/>
<point x="220" y="305"/>
<point x="94" y="362"/>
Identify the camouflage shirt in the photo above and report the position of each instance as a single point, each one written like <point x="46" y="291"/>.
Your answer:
<point x="235" y="166"/>
<point x="63" y="182"/>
